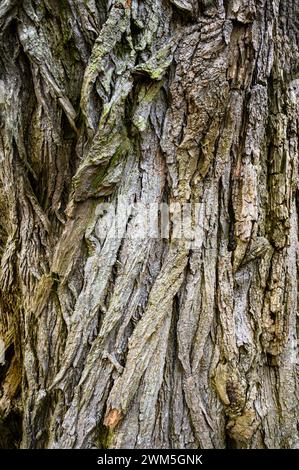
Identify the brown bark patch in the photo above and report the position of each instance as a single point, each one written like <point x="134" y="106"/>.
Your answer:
<point x="113" y="418"/>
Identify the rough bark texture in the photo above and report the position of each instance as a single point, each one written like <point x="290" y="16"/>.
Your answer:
<point x="149" y="343"/>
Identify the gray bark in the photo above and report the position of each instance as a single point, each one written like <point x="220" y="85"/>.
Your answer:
<point x="125" y="343"/>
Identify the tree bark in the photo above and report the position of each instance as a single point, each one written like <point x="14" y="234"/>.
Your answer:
<point x="125" y="342"/>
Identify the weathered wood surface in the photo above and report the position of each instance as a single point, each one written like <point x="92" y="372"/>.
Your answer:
<point x="149" y="343"/>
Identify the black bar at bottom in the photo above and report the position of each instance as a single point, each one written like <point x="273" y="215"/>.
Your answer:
<point x="130" y="459"/>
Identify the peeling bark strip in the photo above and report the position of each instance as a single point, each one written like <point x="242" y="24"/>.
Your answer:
<point x="116" y="342"/>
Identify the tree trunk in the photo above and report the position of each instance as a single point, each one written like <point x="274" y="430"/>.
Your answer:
<point x="125" y="341"/>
